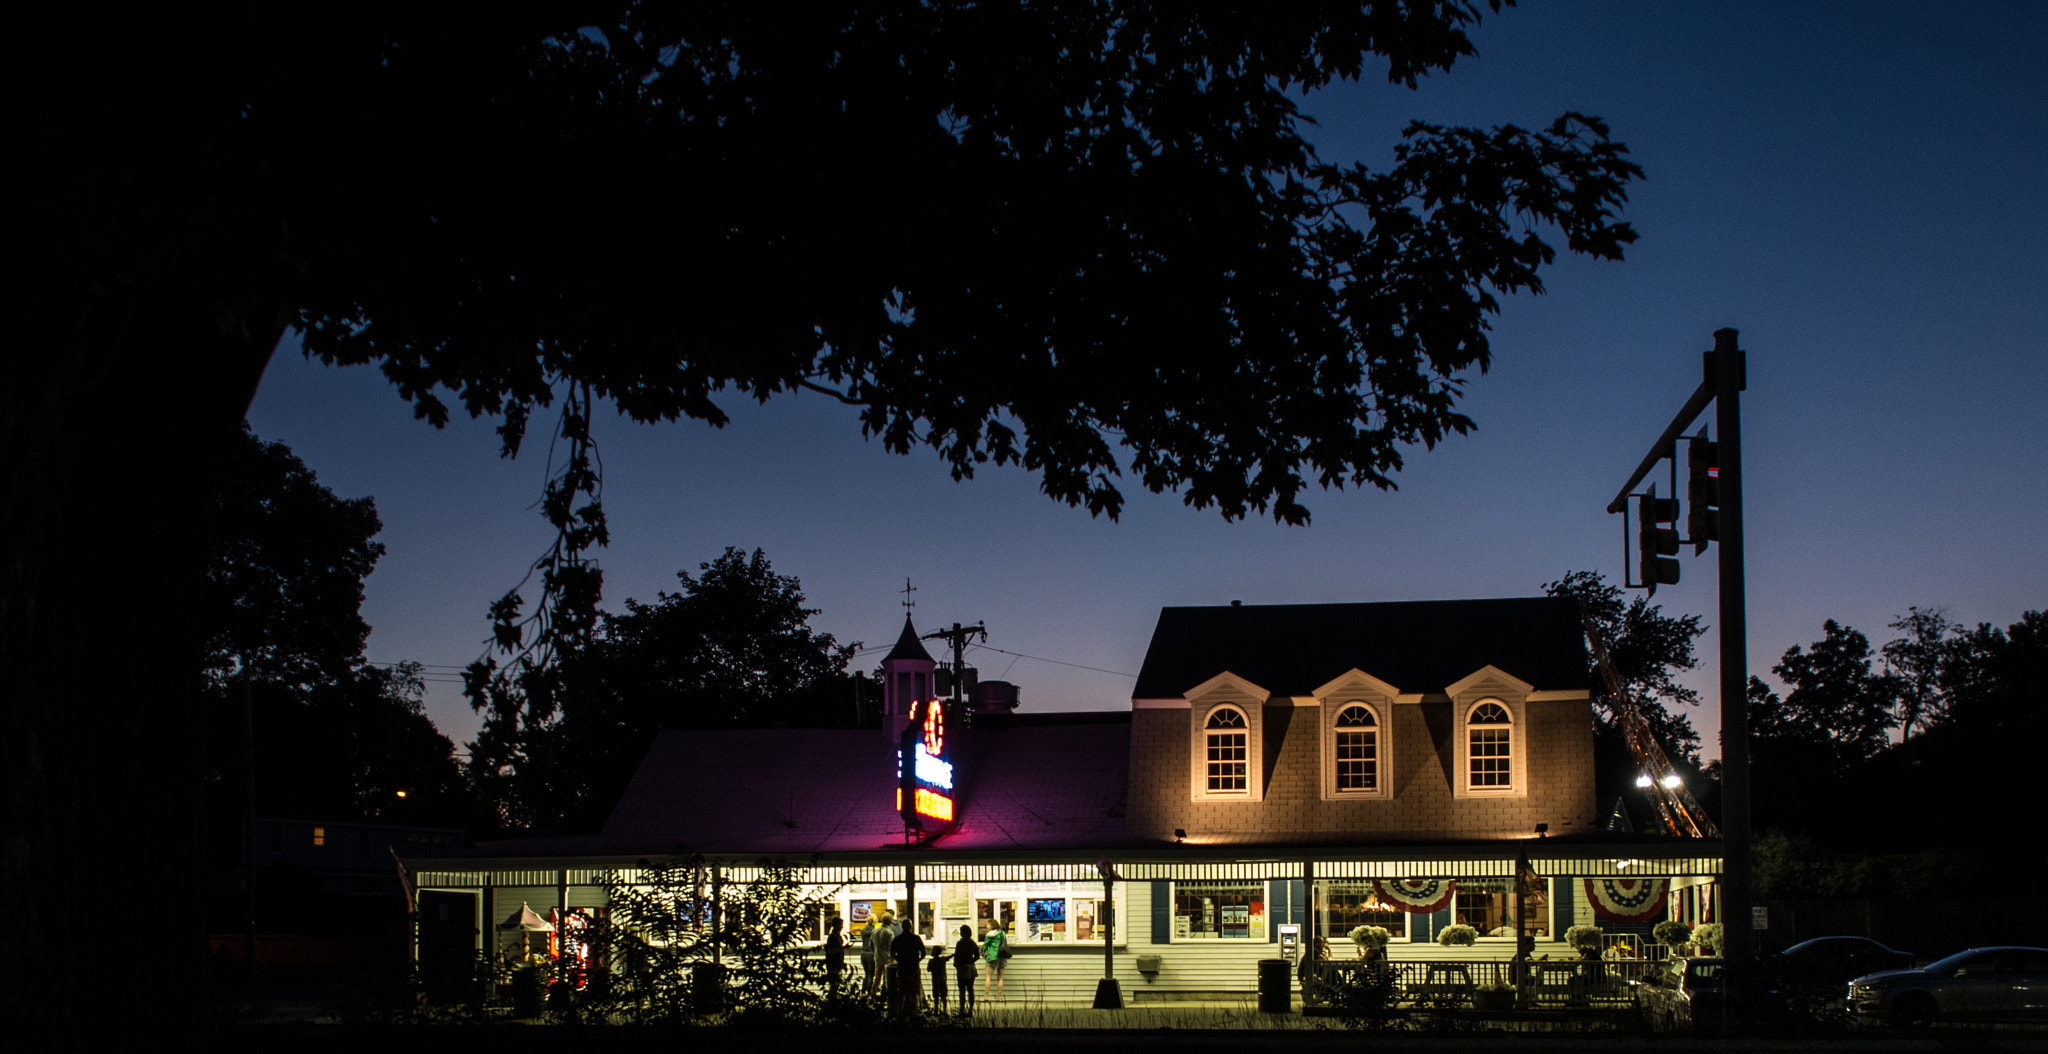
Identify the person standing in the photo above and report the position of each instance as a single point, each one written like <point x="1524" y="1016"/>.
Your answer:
<point x="995" y="954"/>
<point x="885" y="938"/>
<point x="835" y="956"/>
<point x="965" y="955"/>
<point x="908" y="953"/>
<point x="867" y="956"/>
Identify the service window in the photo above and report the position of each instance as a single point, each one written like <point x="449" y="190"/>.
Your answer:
<point x="990" y="910"/>
<point x="927" y="916"/>
<point x="1226" y="911"/>
<point x="1047" y="920"/>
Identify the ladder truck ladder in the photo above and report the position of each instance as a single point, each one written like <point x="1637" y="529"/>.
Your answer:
<point x="1679" y="814"/>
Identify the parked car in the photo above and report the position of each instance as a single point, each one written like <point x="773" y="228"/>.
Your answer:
<point x="1831" y="961"/>
<point x="1981" y="984"/>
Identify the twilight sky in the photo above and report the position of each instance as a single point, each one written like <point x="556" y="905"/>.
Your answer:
<point x="1857" y="187"/>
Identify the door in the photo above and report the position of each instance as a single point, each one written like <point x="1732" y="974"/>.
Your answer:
<point x="448" y="945"/>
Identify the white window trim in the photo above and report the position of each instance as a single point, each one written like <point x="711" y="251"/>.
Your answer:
<point x="1490" y="685"/>
<point x="1173" y="902"/>
<point x="1357" y="688"/>
<point x="1226" y="690"/>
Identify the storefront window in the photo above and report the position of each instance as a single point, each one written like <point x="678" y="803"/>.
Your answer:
<point x="927" y="916"/>
<point x="1350" y="905"/>
<point x="1483" y="905"/>
<point x="989" y="911"/>
<point x="1047" y="917"/>
<point x="1219" y="911"/>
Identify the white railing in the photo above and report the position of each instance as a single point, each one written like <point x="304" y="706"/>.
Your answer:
<point x="1542" y="984"/>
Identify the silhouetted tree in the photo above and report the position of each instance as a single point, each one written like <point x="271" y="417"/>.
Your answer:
<point x="1835" y="698"/>
<point x="1085" y="238"/>
<point x="334" y="738"/>
<point x="1917" y="658"/>
<point x="732" y="648"/>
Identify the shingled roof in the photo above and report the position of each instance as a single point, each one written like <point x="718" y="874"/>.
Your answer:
<point x="1417" y="646"/>
<point x="795" y="792"/>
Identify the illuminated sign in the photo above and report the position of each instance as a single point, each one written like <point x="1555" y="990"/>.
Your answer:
<point x="932" y="770"/>
<point x="935" y="732"/>
<point x="928" y="784"/>
<point x="933" y="804"/>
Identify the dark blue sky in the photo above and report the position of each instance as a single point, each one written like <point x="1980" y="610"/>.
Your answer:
<point x="1857" y="187"/>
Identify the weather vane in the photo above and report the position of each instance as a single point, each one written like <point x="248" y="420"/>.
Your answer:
<point x="907" y="590"/>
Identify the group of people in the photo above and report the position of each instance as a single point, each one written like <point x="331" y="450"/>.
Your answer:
<point x="890" y="955"/>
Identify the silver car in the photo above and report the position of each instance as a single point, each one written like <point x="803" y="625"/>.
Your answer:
<point x="1981" y="984"/>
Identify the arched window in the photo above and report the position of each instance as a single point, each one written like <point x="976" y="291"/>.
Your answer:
<point x="1227" y="735"/>
<point x="1358" y="750"/>
<point x="1490" y="733"/>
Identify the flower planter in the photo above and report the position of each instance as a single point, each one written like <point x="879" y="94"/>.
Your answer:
<point x="1493" y="1001"/>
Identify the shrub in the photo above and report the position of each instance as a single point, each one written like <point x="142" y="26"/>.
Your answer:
<point x="1586" y="939"/>
<point x="1457" y="936"/>
<point x="1672" y="933"/>
<point x="1708" y="937"/>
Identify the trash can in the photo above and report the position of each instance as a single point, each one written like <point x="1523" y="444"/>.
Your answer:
<point x="1276" y="987"/>
<point x="528" y="987"/>
<point x="707" y="988"/>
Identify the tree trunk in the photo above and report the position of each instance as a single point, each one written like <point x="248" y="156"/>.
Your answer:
<point x="109" y="430"/>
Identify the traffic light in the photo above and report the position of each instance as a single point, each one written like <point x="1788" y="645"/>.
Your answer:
<point x="1656" y="545"/>
<point x="1702" y="493"/>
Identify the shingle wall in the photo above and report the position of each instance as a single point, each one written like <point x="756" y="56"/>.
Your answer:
<point x="1556" y="750"/>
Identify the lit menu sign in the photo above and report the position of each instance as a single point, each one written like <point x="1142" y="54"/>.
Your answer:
<point x="929" y="782"/>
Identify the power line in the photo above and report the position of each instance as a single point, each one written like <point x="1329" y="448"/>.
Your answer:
<point x="1055" y="662"/>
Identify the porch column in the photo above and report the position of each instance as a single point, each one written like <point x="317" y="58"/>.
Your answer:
<point x="1108" y="995"/>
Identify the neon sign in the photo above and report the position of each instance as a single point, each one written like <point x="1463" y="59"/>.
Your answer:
<point x="928" y="783"/>
<point x="933" y="804"/>
<point x="932" y="770"/>
<point x="935" y="732"/>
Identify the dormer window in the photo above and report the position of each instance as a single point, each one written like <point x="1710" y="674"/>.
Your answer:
<point x="1227" y="739"/>
<point x="1490" y="750"/>
<point x="1358" y="742"/>
<point x="1226" y="717"/>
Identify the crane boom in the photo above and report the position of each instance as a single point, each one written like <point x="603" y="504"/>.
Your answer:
<point x="1677" y="812"/>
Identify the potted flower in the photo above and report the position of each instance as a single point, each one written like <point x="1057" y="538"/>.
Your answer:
<point x="1708" y="937"/>
<point x="1494" y="995"/>
<point x="1371" y="941"/>
<point x="1458" y="936"/>
<point x="1673" y="934"/>
<point x="1585" y="940"/>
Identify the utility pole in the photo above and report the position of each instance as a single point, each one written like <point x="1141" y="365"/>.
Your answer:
<point x="1725" y="377"/>
<point x="957" y="637"/>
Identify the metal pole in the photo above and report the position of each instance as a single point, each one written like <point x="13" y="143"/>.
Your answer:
<point x="1738" y="935"/>
<point x="248" y="828"/>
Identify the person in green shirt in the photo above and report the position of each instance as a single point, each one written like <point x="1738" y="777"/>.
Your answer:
<point x="995" y="951"/>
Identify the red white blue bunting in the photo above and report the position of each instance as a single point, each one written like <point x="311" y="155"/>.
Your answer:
<point x="1418" y="895"/>
<point x="1626" y="899"/>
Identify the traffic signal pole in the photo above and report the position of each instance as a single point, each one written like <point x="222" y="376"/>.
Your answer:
<point x="1722" y="385"/>
<point x="1737" y="927"/>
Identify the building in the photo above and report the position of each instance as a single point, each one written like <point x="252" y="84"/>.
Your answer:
<point x="1281" y="772"/>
